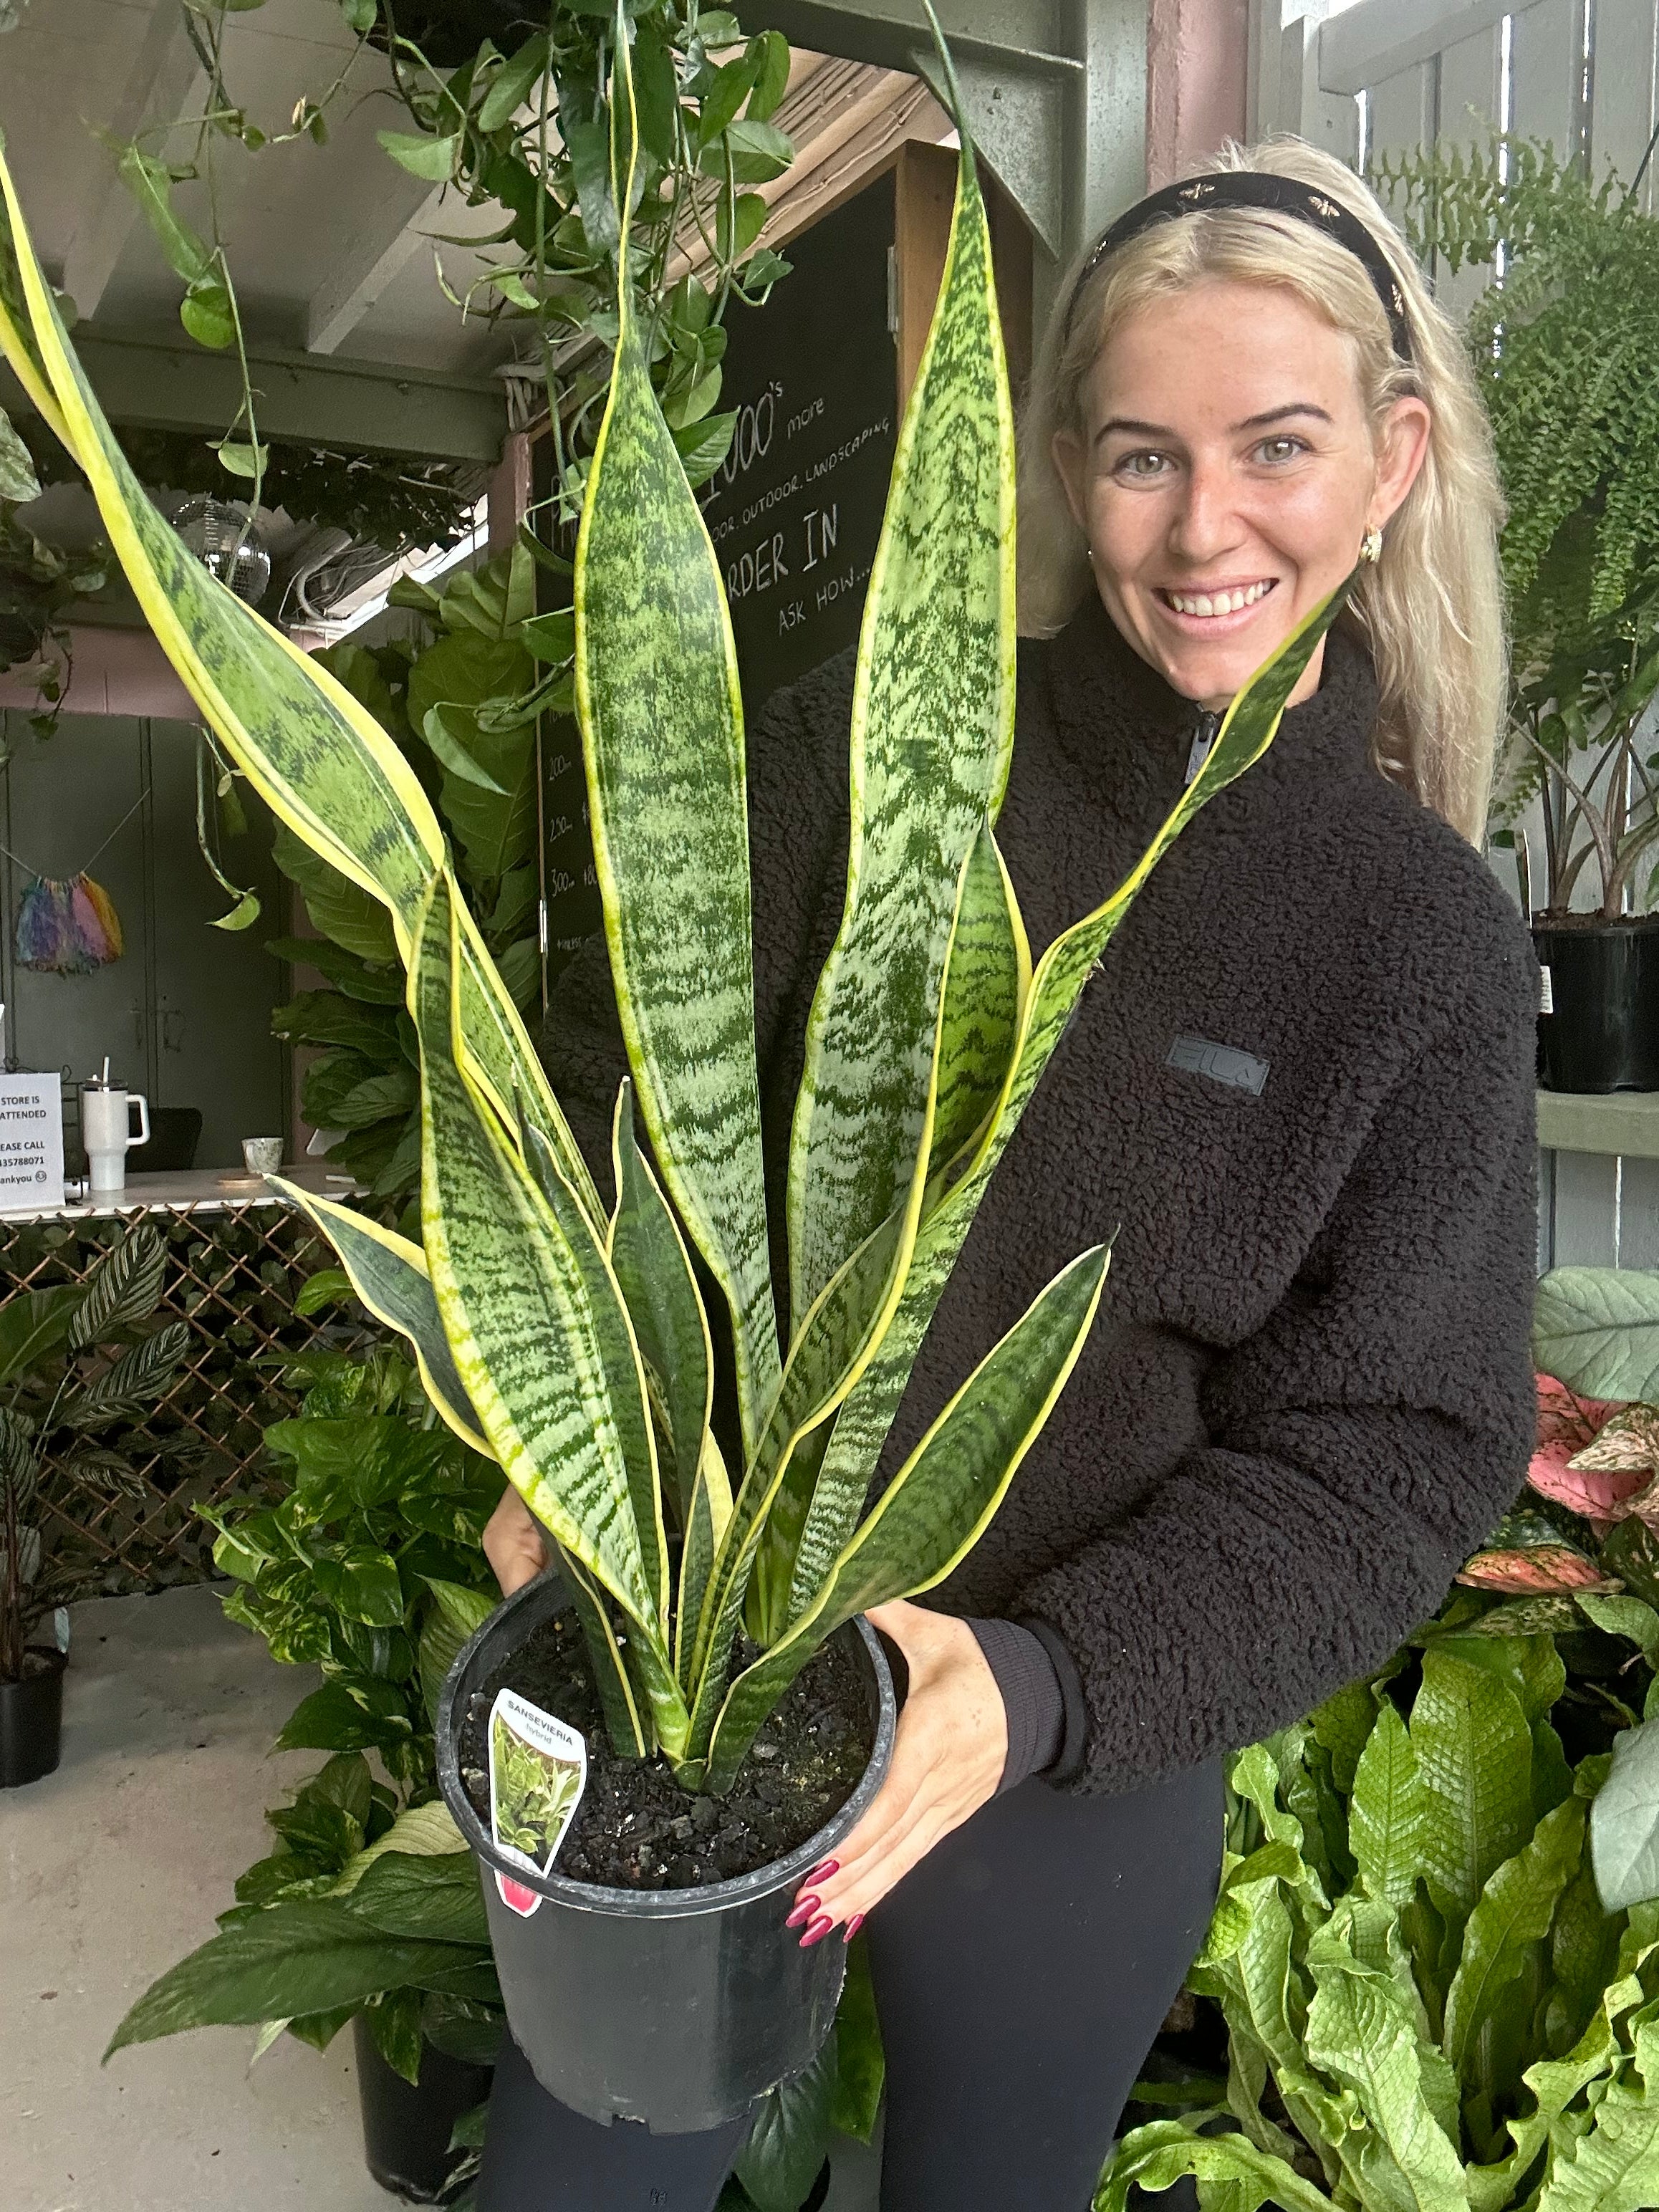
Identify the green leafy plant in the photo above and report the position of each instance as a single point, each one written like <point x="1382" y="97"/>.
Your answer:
<point x="1563" y="341"/>
<point x="463" y="710"/>
<point x="372" y="1569"/>
<point x="1426" y="2004"/>
<point x="38" y="582"/>
<point x="76" y="1362"/>
<point x="568" y="1335"/>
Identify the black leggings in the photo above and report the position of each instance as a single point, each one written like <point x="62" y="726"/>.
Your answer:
<point x="1021" y="1972"/>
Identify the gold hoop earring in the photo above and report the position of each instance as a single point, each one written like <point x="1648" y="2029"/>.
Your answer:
<point x="1370" y="545"/>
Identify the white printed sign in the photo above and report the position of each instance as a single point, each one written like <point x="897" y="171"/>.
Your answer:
<point x="30" y="1142"/>
<point x="538" y="1772"/>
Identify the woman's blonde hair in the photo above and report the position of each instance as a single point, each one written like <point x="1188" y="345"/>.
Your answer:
<point x="1431" y="609"/>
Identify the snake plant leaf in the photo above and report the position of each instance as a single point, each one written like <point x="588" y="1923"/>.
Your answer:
<point x="630" y="1736"/>
<point x="1513" y="1913"/>
<point x="1596" y="1329"/>
<point x="654" y="1270"/>
<point x="840" y="1334"/>
<point x="942" y="1499"/>
<point x="1387" y="1810"/>
<point x="625" y="1370"/>
<point x="1157" y="2156"/>
<point x="390" y="1277"/>
<point x="986" y="982"/>
<point x="1614" y="2166"/>
<point x="931" y="735"/>
<point x="1474" y="1754"/>
<point x="17" y="341"/>
<point x="1245" y="734"/>
<point x="312" y="751"/>
<point x="661" y="715"/>
<point x="514" y="1304"/>
<point x="1360" y="2033"/>
<point x="986" y="976"/>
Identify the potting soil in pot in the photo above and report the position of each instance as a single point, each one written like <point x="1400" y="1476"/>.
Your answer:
<point x="636" y="1828"/>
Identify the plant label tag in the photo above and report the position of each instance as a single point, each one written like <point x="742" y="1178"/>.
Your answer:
<point x="1545" y="991"/>
<point x="538" y="1772"/>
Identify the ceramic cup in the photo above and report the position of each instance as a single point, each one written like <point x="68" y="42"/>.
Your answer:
<point x="263" y="1155"/>
<point x="107" y="1133"/>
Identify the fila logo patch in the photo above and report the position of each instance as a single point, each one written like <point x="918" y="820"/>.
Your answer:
<point x="1222" y="1063"/>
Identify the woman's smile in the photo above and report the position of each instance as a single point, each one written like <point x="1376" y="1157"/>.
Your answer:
<point x="1213" y="609"/>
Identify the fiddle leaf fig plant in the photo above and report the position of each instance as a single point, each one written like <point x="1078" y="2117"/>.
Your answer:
<point x="565" y="1332"/>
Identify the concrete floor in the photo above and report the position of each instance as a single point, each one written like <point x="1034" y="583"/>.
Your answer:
<point x="113" y="1868"/>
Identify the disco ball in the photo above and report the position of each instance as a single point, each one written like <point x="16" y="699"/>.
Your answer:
<point x="219" y="533"/>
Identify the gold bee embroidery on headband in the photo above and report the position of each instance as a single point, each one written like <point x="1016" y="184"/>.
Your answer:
<point x="1399" y="303"/>
<point x="1197" y="191"/>
<point x="1329" y="209"/>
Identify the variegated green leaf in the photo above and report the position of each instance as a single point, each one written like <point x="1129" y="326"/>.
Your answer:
<point x="389" y="1275"/>
<point x="661" y="717"/>
<point x="625" y="1370"/>
<point x="1387" y="1810"/>
<point x="516" y="1309"/>
<point x="654" y="1270"/>
<point x="942" y="1499"/>
<point x="1247" y="731"/>
<point x="932" y="728"/>
<point x="1512" y="1914"/>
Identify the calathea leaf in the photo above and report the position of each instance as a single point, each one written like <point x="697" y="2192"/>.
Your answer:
<point x="1596" y="1329"/>
<point x="142" y="1371"/>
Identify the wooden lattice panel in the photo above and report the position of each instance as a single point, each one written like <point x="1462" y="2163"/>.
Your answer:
<point x="232" y="1273"/>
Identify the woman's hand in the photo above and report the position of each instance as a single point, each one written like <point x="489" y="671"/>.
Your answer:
<point x="947" y="1760"/>
<point x="514" y="1543"/>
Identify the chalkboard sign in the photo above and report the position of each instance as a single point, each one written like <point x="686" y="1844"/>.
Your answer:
<point x="794" y="514"/>
<point x="796" y="511"/>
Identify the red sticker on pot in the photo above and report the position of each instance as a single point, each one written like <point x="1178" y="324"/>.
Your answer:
<point x="538" y="1772"/>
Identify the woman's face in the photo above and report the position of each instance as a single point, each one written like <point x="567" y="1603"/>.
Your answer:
<point x="1226" y="476"/>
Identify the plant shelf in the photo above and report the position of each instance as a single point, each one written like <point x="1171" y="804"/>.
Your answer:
<point x="1625" y="1122"/>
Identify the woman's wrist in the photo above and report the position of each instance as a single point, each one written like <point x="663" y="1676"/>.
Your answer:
<point x="1032" y="1696"/>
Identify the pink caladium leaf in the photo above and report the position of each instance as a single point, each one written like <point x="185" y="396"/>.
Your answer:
<point x="1539" y="1567"/>
<point x="1568" y="1428"/>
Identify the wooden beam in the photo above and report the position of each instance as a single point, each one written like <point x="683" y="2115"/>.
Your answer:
<point x="1368" y="44"/>
<point x="165" y="79"/>
<point x="378" y="252"/>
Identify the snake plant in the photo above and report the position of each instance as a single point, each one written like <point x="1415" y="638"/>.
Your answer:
<point x="564" y="1331"/>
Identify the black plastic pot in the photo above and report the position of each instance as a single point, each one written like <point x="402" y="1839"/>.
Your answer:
<point x="676" y="2007"/>
<point x="31" y="1720"/>
<point x="406" y="2128"/>
<point x="1602" y="1032"/>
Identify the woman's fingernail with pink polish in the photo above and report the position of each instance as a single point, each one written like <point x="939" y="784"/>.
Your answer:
<point x="804" y="1908"/>
<point x="816" y="1934"/>
<point x="823" y="1873"/>
<point x="852" y="1927"/>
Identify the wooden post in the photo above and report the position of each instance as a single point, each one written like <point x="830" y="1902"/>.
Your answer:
<point x="925" y="186"/>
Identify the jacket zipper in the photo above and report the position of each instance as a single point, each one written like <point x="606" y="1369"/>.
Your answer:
<point x="1204" y="736"/>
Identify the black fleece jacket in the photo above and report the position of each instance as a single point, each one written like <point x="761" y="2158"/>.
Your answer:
<point x="1308" y="1395"/>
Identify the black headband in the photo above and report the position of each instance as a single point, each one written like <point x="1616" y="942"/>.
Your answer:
<point x="1257" y="188"/>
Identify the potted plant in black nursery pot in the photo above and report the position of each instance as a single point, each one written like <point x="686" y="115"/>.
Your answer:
<point x="1564" y="343"/>
<point x="702" y="1637"/>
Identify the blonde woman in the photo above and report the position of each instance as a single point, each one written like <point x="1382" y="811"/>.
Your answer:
<point x="1298" y="1092"/>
